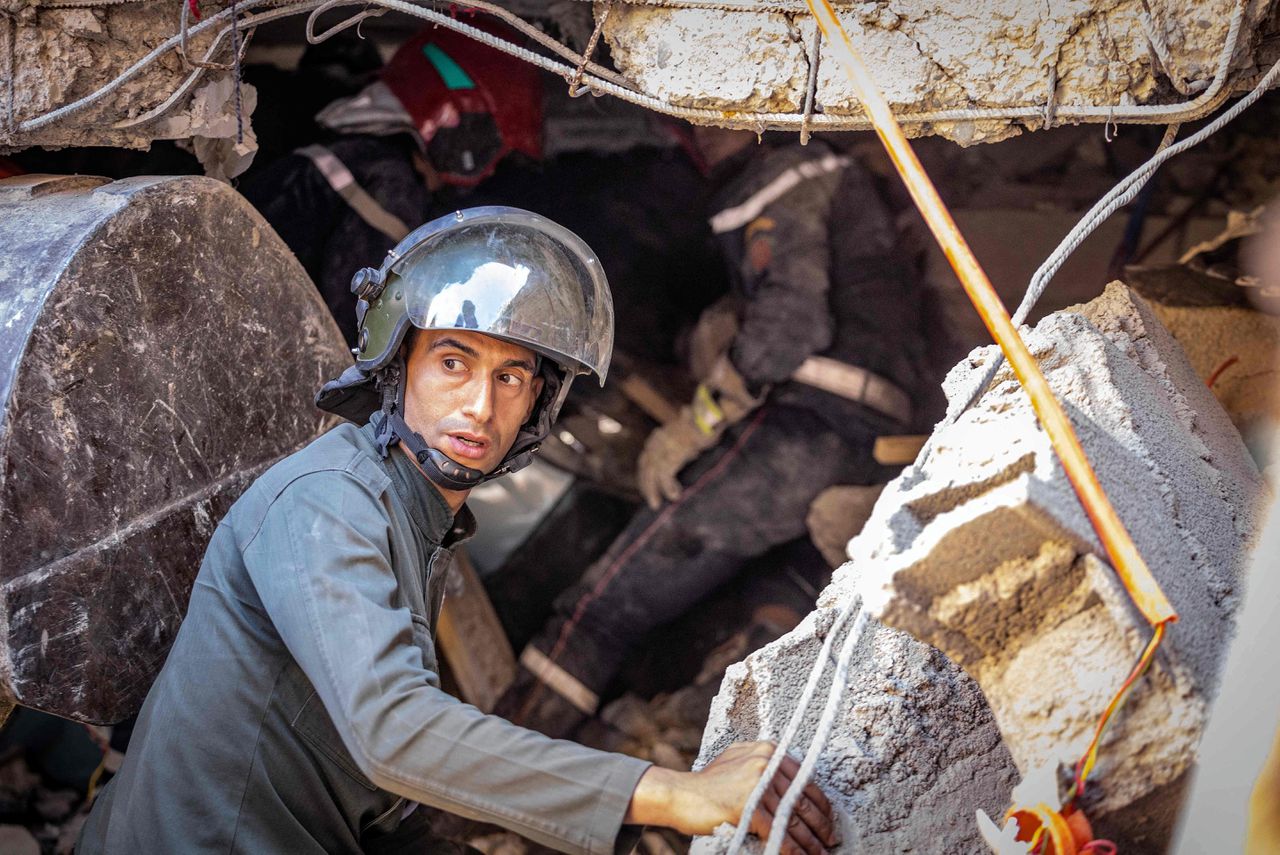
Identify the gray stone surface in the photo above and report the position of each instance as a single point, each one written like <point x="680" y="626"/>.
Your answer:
<point x="930" y="54"/>
<point x="983" y="554"/>
<point x="914" y="752"/>
<point x="983" y="550"/>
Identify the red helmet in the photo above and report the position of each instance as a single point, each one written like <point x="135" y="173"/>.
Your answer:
<point x="471" y="104"/>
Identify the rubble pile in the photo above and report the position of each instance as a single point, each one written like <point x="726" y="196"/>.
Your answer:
<point x="982" y="551"/>
<point x="58" y="55"/>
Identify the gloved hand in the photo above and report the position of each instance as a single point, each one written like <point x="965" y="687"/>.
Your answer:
<point x="722" y="400"/>
<point x="669" y="449"/>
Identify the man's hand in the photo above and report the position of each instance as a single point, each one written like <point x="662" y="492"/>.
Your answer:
<point x="697" y="802"/>
<point x="669" y="449"/>
<point x="722" y="399"/>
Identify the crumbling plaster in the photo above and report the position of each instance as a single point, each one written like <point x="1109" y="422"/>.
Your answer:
<point x="933" y="54"/>
<point x="58" y="55"/>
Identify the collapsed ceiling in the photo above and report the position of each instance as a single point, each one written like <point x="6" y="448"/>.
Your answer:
<point x="85" y="72"/>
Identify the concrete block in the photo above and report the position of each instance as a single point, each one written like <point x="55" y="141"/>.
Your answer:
<point x="58" y="55"/>
<point x="982" y="550"/>
<point x="914" y="752"/>
<point x="929" y="54"/>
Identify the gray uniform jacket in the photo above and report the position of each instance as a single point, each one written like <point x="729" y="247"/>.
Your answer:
<point x="300" y="709"/>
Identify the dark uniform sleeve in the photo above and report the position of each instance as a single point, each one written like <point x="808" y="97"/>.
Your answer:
<point x="295" y="199"/>
<point x="321" y="565"/>
<point x="786" y="317"/>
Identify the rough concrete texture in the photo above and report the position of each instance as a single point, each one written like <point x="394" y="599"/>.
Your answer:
<point x="982" y="550"/>
<point x="57" y="55"/>
<point x="914" y="751"/>
<point x="930" y="54"/>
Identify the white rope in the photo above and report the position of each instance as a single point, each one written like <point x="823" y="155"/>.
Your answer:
<point x="617" y="86"/>
<point x="839" y="681"/>
<point x="792" y="728"/>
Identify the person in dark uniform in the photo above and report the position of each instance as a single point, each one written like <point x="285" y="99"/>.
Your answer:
<point x="443" y="113"/>
<point x="827" y="347"/>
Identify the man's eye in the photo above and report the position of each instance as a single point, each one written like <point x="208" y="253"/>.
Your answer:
<point x="452" y="364"/>
<point x="511" y="379"/>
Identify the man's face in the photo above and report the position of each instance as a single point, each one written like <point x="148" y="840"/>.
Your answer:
<point x="468" y="394"/>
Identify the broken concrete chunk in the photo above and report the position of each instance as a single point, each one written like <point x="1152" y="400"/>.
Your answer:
<point x="932" y="55"/>
<point x="60" y="55"/>
<point x="914" y="751"/>
<point x="1227" y="341"/>
<point x="982" y="550"/>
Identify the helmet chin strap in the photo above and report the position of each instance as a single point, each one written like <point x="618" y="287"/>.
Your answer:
<point x="439" y="468"/>
<point x="442" y="470"/>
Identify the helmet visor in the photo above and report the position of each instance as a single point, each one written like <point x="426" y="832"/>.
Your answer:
<point x="513" y="275"/>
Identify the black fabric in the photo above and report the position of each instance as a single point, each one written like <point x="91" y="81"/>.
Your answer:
<point x="329" y="238"/>
<point x="353" y="395"/>
<point x="821" y="272"/>
<point x="745" y="496"/>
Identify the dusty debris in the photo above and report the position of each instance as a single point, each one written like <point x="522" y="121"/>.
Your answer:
<point x="934" y="55"/>
<point x="59" y="55"/>
<point x="984" y="552"/>
<point x="836" y="517"/>
<point x="1231" y="345"/>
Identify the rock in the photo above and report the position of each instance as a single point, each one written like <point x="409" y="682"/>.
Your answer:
<point x="982" y="550"/>
<point x="836" y="517"/>
<point x="929" y="55"/>
<point x="127" y="428"/>
<point x="914" y="751"/>
<point x="16" y="840"/>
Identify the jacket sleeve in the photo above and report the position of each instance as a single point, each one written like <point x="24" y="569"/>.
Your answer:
<point x="321" y="565"/>
<point x="295" y="199"/>
<point x="786" y="317"/>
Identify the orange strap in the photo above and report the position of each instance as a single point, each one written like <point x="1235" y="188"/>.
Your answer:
<point x="1124" y="556"/>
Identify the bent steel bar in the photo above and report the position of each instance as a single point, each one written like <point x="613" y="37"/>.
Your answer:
<point x="1124" y="555"/>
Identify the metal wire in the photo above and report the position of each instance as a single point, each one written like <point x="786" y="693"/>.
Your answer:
<point x="606" y="81"/>
<point x="811" y="88"/>
<point x="1119" y="196"/>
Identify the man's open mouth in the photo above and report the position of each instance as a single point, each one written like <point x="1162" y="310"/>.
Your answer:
<point x="467" y="446"/>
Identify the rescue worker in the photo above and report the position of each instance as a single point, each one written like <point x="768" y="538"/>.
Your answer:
<point x="300" y="707"/>
<point x="442" y="114"/>
<point x="826" y="347"/>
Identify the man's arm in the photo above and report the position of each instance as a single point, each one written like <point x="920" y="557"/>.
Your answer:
<point x="321" y="565"/>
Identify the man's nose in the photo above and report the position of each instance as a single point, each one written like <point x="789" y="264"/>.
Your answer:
<point x="479" y="402"/>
